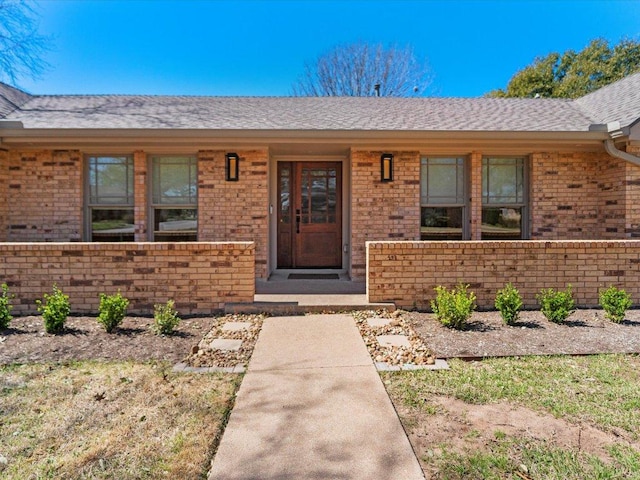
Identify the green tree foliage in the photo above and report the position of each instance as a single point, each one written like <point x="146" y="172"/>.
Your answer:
<point x="355" y="70"/>
<point x="574" y="74"/>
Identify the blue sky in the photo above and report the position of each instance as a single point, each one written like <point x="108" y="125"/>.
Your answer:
<point x="260" y="47"/>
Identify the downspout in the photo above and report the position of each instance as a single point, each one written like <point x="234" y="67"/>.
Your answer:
<point x="611" y="149"/>
<point x="615" y="131"/>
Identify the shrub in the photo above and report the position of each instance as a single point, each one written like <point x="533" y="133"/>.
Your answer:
<point x="615" y="303"/>
<point x="509" y="302"/>
<point x="556" y="305"/>
<point x="112" y="310"/>
<point x="165" y="318"/>
<point x="453" y="307"/>
<point x="55" y="310"/>
<point x="5" y="306"/>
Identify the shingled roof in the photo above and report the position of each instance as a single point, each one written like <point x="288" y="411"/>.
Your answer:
<point x="619" y="101"/>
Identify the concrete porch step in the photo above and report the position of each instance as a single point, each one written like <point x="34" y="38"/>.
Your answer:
<point x="301" y="304"/>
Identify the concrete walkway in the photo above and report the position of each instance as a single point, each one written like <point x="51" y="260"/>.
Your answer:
<point x="312" y="406"/>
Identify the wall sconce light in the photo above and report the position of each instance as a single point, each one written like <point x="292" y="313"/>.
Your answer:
<point x="386" y="167"/>
<point x="231" y="167"/>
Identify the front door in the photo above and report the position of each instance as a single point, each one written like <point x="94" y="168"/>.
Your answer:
<point x="309" y="215"/>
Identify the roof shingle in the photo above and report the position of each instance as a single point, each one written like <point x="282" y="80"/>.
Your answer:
<point x="619" y="101"/>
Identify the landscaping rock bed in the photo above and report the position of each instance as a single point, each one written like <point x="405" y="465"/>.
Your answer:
<point x="416" y="353"/>
<point x="244" y="328"/>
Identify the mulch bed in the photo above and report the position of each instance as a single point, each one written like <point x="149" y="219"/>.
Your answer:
<point x="584" y="332"/>
<point x="85" y="339"/>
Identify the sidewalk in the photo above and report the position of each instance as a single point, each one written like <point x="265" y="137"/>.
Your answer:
<point x="312" y="406"/>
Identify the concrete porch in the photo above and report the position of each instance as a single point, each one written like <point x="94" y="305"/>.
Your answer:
<point x="282" y="295"/>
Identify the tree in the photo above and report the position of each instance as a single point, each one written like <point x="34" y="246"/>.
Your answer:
<point x="572" y="75"/>
<point x="362" y="70"/>
<point x="21" y="46"/>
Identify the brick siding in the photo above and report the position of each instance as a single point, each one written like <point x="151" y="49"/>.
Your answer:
<point x="235" y="211"/>
<point x="382" y="211"/>
<point x="4" y="180"/>
<point x="200" y="277"/>
<point x="44" y="197"/>
<point x="408" y="272"/>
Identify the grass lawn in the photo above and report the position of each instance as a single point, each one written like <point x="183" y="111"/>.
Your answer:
<point x="598" y="393"/>
<point x="121" y="420"/>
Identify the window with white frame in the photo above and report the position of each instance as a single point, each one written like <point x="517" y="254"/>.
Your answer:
<point x="443" y="194"/>
<point x="174" y="199"/>
<point x="109" y="199"/>
<point x="504" y="198"/>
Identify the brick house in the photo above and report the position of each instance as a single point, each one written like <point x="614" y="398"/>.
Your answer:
<point x="221" y="191"/>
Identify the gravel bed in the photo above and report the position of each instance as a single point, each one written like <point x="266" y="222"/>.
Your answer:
<point x="203" y="355"/>
<point x="417" y="354"/>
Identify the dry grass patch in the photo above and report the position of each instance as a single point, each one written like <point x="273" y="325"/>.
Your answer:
<point x="557" y="418"/>
<point x="120" y="420"/>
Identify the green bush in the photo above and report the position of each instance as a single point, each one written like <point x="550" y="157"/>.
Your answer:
<point x="5" y="306"/>
<point x="55" y="309"/>
<point x="509" y="302"/>
<point x="615" y="303"/>
<point x="112" y="310"/>
<point x="453" y="307"/>
<point x="165" y="318"/>
<point x="556" y="305"/>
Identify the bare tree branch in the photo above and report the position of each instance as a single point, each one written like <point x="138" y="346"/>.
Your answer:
<point x="354" y="70"/>
<point x="21" y="46"/>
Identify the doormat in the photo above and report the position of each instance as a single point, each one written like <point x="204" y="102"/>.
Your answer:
<point x="313" y="276"/>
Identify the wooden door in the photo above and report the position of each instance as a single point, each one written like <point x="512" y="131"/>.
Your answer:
<point x="310" y="215"/>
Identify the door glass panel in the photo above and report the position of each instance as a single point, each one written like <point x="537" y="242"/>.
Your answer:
<point x="285" y="195"/>
<point x="304" y="196"/>
<point x="319" y="195"/>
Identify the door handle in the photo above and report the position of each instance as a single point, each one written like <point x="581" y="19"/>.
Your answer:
<point x="297" y="221"/>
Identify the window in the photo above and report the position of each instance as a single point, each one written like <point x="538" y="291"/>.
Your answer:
<point x="110" y="199"/>
<point x="174" y="199"/>
<point x="442" y="199"/>
<point x="504" y="199"/>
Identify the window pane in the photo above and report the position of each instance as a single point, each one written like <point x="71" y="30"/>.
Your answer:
<point x="502" y="181"/>
<point x="112" y="225"/>
<point x="441" y="223"/>
<point x="442" y="181"/>
<point x="110" y="181"/>
<point x="502" y="223"/>
<point x="174" y="181"/>
<point x="175" y="224"/>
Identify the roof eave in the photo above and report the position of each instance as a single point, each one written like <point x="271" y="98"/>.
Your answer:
<point x="229" y="138"/>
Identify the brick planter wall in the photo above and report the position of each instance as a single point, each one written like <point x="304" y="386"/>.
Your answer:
<point x="200" y="277"/>
<point x="407" y="272"/>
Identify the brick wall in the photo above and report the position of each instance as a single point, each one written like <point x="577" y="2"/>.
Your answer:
<point x="382" y="211"/>
<point x="407" y="272"/>
<point x="632" y="195"/>
<point x="44" y="200"/>
<point x="475" y="193"/>
<point x="4" y="179"/>
<point x="140" y="196"/>
<point x="235" y="211"/>
<point x="200" y="277"/>
<point x="612" y="198"/>
<point x="565" y="195"/>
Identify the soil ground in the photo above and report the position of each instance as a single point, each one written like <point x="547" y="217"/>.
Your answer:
<point x="585" y="332"/>
<point x="85" y="339"/>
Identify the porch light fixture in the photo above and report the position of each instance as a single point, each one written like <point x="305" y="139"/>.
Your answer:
<point x="386" y="167"/>
<point x="231" y="166"/>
